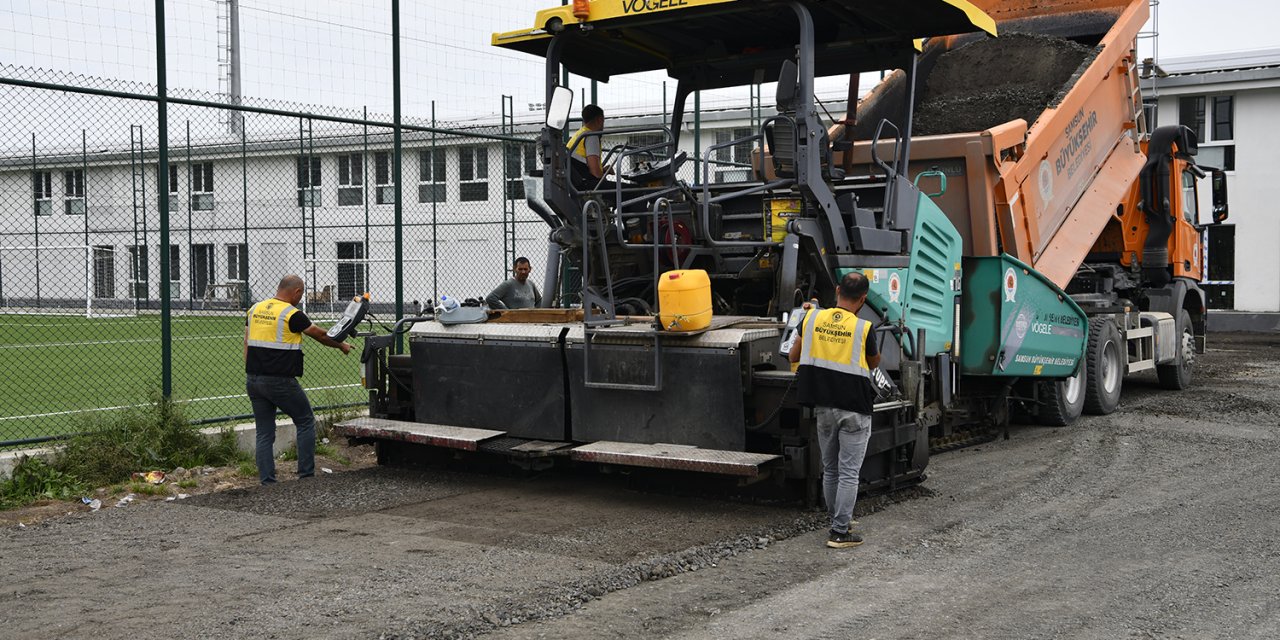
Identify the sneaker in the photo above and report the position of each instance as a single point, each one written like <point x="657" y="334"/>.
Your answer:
<point x="843" y="540"/>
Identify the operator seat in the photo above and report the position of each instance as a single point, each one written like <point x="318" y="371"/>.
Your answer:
<point x="780" y="135"/>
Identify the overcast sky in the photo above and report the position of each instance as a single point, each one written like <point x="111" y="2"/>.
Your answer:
<point x="337" y="53"/>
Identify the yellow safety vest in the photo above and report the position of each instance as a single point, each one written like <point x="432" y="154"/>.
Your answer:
<point x="579" y="150"/>
<point x="836" y="340"/>
<point x="269" y="326"/>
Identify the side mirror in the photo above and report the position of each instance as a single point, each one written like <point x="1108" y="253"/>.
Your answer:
<point x="558" y="110"/>
<point x="1219" y="178"/>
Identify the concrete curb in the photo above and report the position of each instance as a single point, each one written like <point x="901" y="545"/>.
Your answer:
<point x="1244" y="322"/>
<point x="246" y="437"/>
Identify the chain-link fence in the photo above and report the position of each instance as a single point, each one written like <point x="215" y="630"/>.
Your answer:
<point x="120" y="279"/>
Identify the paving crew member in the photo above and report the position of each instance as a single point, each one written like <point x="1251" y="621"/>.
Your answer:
<point x="272" y="365"/>
<point x="517" y="292"/>
<point x="585" y="168"/>
<point x="836" y="352"/>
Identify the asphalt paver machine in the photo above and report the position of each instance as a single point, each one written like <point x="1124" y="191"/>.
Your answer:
<point x="601" y="381"/>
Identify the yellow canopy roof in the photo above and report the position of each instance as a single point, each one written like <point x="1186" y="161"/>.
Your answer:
<point x="719" y="43"/>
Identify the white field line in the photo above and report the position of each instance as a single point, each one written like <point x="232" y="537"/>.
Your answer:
<point x="148" y="320"/>
<point x="135" y="406"/>
<point x="101" y="342"/>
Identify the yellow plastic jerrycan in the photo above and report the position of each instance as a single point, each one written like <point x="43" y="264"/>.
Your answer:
<point x="684" y="300"/>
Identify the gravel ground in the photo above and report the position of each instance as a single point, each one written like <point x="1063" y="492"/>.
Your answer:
<point x="1154" y="522"/>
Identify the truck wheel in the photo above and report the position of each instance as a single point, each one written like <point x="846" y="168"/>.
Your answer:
<point x="1177" y="374"/>
<point x="1106" y="367"/>
<point x="1061" y="401"/>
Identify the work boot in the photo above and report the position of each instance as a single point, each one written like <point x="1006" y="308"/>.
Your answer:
<point x="843" y="540"/>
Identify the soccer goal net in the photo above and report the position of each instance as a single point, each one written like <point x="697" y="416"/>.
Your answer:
<point x="83" y="280"/>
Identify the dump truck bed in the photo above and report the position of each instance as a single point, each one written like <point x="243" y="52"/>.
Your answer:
<point x="1040" y="190"/>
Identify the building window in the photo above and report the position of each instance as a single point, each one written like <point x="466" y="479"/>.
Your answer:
<point x="351" y="270"/>
<point x="520" y="159"/>
<point x="309" y="182"/>
<point x="1212" y="118"/>
<point x="237" y="262"/>
<point x="104" y="271"/>
<point x="73" y="191"/>
<point x="1220" y="263"/>
<point x="202" y="186"/>
<point x="173" y="183"/>
<point x="431" y="175"/>
<point x="175" y="271"/>
<point x="350" y="180"/>
<point x="42" y="184"/>
<point x="473" y="173"/>
<point x="729" y="157"/>
<point x="385" y="188"/>
<point x="138" y="270"/>
<point x="1223" y="118"/>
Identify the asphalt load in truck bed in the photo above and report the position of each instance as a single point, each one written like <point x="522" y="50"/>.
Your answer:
<point x="995" y="80"/>
<point x="1157" y="521"/>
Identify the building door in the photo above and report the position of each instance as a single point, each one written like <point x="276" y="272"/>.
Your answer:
<point x="201" y="269"/>
<point x="1220" y="262"/>
<point x="104" y="272"/>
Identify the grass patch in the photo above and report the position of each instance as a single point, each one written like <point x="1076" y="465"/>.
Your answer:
<point x="188" y="483"/>
<point x="114" y="445"/>
<point x="288" y="454"/>
<point x="34" y="479"/>
<point x="148" y="489"/>
<point x="247" y="469"/>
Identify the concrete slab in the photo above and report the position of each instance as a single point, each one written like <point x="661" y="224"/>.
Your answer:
<point x="1244" y="322"/>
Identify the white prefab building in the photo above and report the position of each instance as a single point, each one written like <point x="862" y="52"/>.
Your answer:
<point x="77" y="226"/>
<point x="1232" y="101"/>
<point x="81" y="226"/>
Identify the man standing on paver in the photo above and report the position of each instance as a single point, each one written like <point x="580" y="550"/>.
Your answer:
<point x="836" y="354"/>
<point x="272" y="364"/>
<point x="518" y="292"/>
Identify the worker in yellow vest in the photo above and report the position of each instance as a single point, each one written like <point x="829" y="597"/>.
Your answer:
<point x="584" y="151"/>
<point x="272" y="364"/>
<point x="836" y="353"/>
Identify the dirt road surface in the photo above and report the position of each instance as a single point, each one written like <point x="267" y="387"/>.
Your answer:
<point x="1158" y="521"/>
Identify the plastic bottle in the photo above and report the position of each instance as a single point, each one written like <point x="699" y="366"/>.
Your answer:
<point x="447" y="304"/>
<point x="351" y="317"/>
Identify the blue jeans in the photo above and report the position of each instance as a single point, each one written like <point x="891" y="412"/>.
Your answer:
<point x="842" y="439"/>
<point x="269" y="393"/>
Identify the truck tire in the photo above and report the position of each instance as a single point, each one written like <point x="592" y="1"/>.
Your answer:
<point x="1106" y="359"/>
<point x="1177" y="374"/>
<point x="1061" y="401"/>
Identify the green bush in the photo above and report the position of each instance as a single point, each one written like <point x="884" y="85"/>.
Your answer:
<point x="113" y="446"/>
<point x="34" y="479"/>
<point x="153" y="436"/>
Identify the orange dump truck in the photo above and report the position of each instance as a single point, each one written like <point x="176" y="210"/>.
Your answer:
<point x="1035" y="145"/>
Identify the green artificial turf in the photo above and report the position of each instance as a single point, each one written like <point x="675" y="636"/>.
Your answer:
<point x="56" y="369"/>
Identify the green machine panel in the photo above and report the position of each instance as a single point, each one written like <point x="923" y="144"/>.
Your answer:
<point x="922" y="295"/>
<point x="1015" y="322"/>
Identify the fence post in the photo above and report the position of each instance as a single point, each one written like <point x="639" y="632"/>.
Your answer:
<point x="243" y="267"/>
<point x="399" y="210"/>
<point x="191" y="262"/>
<point x="435" y="230"/>
<point x="91" y="263"/>
<point x="368" y="249"/>
<point x="697" y="136"/>
<point x="36" y="213"/>
<point x="162" y="116"/>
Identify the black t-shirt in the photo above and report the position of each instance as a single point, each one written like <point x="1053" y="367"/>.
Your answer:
<point x="826" y="388"/>
<point x="278" y="362"/>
